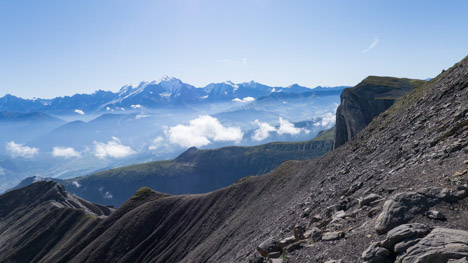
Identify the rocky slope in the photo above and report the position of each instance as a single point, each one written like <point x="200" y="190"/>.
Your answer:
<point x="396" y="191"/>
<point x="42" y="218"/>
<point x="360" y="104"/>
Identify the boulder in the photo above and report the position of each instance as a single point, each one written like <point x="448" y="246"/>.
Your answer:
<point x="440" y="245"/>
<point x="400" y="208"/>
<point x="404" y="232"/>
<point x="268" y="246"/>
<point x="376" y="254"/>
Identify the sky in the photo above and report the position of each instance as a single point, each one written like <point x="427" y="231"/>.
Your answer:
<point x="56" y="48"/>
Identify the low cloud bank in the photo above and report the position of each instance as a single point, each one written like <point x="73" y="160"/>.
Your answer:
<point x="113" y="148"/>
<point x="246" y="99"/>
<point x="203" y="131"/>
<point x="285" y="127"/>
<point x="65" y="152"/>
<point x="18" y="150"/>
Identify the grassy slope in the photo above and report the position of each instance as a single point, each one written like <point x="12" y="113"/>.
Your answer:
<point x="196" y="171"/>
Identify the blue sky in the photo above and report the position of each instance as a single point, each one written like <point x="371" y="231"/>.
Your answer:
<point x="55" y="48"/>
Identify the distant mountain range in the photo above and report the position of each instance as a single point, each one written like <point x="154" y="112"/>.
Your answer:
<point x="168" y="92"/>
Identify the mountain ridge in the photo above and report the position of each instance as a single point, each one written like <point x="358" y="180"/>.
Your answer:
<point x="166" y="92"/>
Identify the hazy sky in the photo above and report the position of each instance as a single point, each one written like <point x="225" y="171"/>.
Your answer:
<point x="55" y="48"/>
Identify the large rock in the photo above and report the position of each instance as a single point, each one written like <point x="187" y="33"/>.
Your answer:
<point x="268" y="246"/>
<point x="402" y="207"/>
<point x="404" y="232"/>
<point x="440" y="245"/>
<point x="416" y="243"/>
<point x="376" y="254"/>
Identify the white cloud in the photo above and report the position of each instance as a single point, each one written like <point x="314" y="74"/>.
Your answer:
<point x="2" y="171"/>
<point x="137" y="106"/>
<point x="246" y="99"/>
<point x="112" y="148"/>
<point x="156" y="143"/>
<point x="201" y="131"/>
<point x="263" y="131"/>
<point x="38" y="179"/>
<point x="18" y="150"/>
<point x="327" y="120"/>
<point x="232" y="62"/>
<point x="141" y="116"/>
<point x="79" y="112"/>
<point x="76" y="183"/>
<point x="372" y="45"/>
<point x="106" y="195"/>
<point x="288" y="128"/>
<point x="65" y="152"/>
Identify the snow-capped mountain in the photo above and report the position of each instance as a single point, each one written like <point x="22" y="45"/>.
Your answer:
<point x="168" y="92"/>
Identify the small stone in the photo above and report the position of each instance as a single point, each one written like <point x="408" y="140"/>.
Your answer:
<point x="368" y="199"/>
<point x="458" y="173"/>
<point x="287" y="241"/>
<point x="274" y="254"/>
<point x="329" y="236"/>
<point x="299" y="232"/>
<point x="256" y="259"/>
<point x="294" y="246"/>
<point x="339" y="214"/>
<point x="315" y="218"/>
<point x="433" y="214"/>
<point x="465" y="162"/>
<point x="306" y="212"/>
<point x="275" y="260"/>
<point x="314" y="233"/>
<point x="368" y="235"/>
<point x="461" y="260"/>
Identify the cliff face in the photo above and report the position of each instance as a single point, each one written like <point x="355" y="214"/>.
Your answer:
<point x="360" y="104"/>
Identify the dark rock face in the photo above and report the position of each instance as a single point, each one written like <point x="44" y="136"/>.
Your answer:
<point x="360" y="104"/>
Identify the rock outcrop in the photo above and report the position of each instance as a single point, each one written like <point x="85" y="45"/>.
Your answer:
<point x="418" y="243"/>
<point x="360" y="104"/>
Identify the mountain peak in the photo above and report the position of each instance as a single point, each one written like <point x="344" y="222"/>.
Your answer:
<point x="166" y="78"/>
